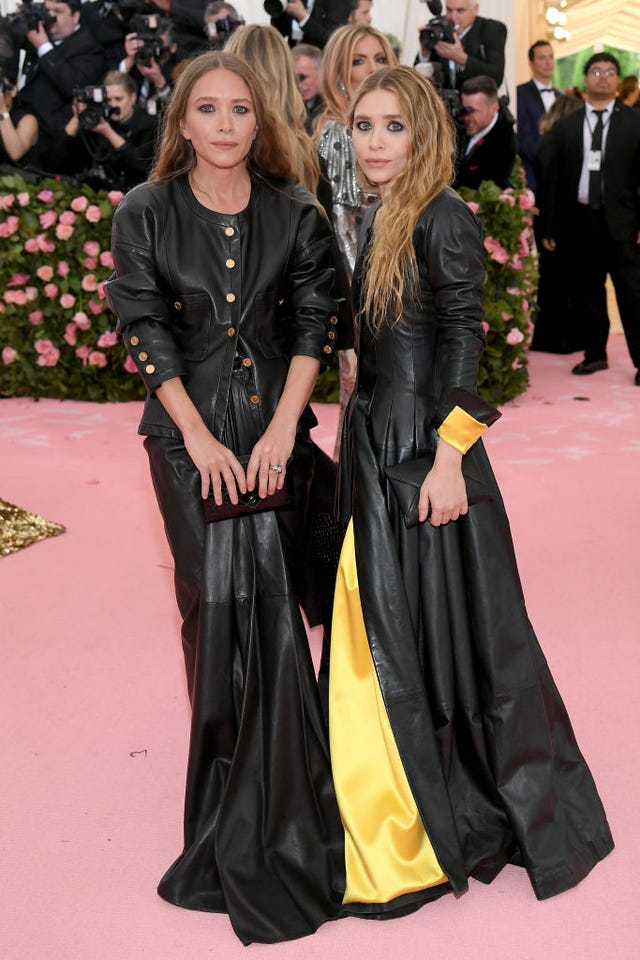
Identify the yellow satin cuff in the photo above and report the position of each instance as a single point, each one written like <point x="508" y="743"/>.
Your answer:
<point x="460" y="429"/>
<point x="387" y="850"/>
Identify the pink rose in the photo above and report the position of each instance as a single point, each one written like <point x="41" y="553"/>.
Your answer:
<point x="514" y="336"/>
<point x="43" y="346"/>
<point x="12" y="223"/>
<point x="31" y="245"/>
<point x="4" y="230"/>
<point x="97" y="359"/>
<point x="516" y="364"/>
<point x="35" y="317"/>
<point x="506" y="316"/>
<point x="63" y="268"/>
<point x="91" y="248"/>
<point x="70" y="336"/>
<point x="45" y="273"/>
<point x="49" y="359"/>
<point x="82" y="353"/>
<point x="67" y="300"/>
<point x="47" y="219"/>
<point x="7" y="201"/>
<point x="129" y="365"/>
<point x="79" y="204"/>
<point x="89" y="283"/>
<point x="19" y="297"/>
<point x="51" y="290"/>
<point x="81" y="320"/>
<point x="514" y="291"/>
<point x="115" y="196"/>
<point x="101" y="292"/>
<point x="107" y="339"/>
<point x="18" y="279"/>
<point x="46" y="196"/>
<point x="516" y="263"/>
<point x="8" y="355"/>
<point x="90" y="263"/>
<point x="64" y="231"/>
<point x="68" y="217"/>
<point x="526" y="200"/>
<point x="106" y="259"/>
<point x="47" y="246"/>
<point x="93" y="215"/>
<point x="508" y="198"/>
<point x="473" y="206"/>
<point x="32" y="293"/>
<point x="525" y="305"/>
<point x="496" y="250"/>
<point x="23" y="199"/>
<point x="485" y="327"/>
<point x="96" y="308"/>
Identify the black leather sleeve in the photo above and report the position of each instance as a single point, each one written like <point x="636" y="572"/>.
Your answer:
<point x="134" y="292"/>
<point x="455" y="262"/>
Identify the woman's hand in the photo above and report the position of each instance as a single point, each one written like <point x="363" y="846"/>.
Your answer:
<point x="443" y="494"/>
<point x="273" y="449"/>
<point x="216" y="464"/>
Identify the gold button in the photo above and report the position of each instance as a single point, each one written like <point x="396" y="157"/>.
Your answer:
<point x="143" y="356"/>
<point x="247" y="362"/>
<point x="231" y="297"/>
<point x="333" y="320"/>
<point x="229" y="231"/>
<point x="331" y="334"/>
<point x="327" y="349"/>
<point x="134" y="341"/>
<point x="231" y="332"/>
<point x="150" y="368"/>
<point x="178" y="305"/>
<point x="255" y="398"/>
<point x="230" y="263"/>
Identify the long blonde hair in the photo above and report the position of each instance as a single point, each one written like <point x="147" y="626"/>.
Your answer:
<point x="264" y="49"/>
<point x="391" y="261"/>
<point x="269" y="152"/>
<point x="336" y="70"/>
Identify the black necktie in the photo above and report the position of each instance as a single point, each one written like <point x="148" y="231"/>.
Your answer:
<point x="545" y="89"/>
<point x="595" y="176"/>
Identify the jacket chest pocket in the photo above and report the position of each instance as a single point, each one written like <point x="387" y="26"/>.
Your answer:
<point x="191" y="324"/>
<point x="270" y="324"/>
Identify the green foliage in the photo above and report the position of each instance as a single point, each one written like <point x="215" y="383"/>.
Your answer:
<point x="511" y="283"/>
<point x="57" y="335"/>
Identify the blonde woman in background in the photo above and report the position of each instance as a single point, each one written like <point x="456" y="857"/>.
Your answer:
<point x="351" y="54"/>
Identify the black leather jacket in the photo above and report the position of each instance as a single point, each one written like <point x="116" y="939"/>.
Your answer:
<point x="197" y="292"/>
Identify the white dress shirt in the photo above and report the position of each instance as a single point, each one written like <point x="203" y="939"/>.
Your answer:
<point x="587" y="135"/>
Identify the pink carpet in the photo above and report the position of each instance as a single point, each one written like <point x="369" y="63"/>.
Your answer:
<point x="95" y="715"/>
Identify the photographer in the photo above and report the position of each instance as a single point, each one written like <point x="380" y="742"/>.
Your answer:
<point x="109" y="141"/>
<point x="220" y="21"/>
<point x="488" y="151"/>
<point x="63" y="55"/>
<point x="472" y="46"/>
<point x="150" y="57"/>
<point x="298" y="24"/>
<point x="18" y="129"/>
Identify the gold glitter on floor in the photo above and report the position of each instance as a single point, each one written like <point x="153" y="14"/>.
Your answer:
<point x="19" y="528"/>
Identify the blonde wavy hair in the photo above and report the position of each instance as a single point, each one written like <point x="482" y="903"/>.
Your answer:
<point x="336" y="70"/>
<point x="266" y="51"/>
<point x="269" y="154"/>
<point x="391" y="264"/>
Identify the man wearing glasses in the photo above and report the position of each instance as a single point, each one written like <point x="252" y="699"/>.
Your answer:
<point x="593" y="210"/>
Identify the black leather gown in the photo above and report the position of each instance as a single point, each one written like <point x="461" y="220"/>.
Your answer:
<point x="223" y="301"/>
<point x="484" y="740"/>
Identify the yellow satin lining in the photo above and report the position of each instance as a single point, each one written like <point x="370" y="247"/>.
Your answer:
<point x="387" y="850"/>
<point x="460" y="429"/>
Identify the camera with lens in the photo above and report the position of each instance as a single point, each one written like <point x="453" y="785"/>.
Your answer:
<point x="96" y="106"/>
<point x="438" y="29"/>
<point x="221" y="29"/>
<point x="29" y="17"/>
<point x="147" y="28"/>
<point x="274" y="7"/>
<point x="122" y="10"/>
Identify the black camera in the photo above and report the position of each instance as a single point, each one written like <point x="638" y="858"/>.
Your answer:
<point x="96" y="106"/>
<point x="147" y="28"/>
<point x="274" y="7"/>
<point x="221" y="29"/>
<point x="29" y="17"/>
<point x="122" y="10"/>
<point x="438" y="29"/>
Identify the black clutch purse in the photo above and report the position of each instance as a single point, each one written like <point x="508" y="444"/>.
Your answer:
<point x="248" y="502"/>
<point x="407" y="478"/>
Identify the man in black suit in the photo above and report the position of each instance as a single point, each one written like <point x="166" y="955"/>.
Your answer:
<point x="593" y="210"/>
<point x="534" y="99"/>
<point x="488" y="151"/>
<point x="477" y="50"/>
<point x="65" y="56"/>
<point x="312" y="21"/>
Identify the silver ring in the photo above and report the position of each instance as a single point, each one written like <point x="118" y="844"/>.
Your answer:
<point x="276" y="466"/>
